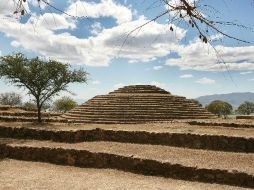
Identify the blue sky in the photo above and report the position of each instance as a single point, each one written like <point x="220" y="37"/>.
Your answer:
<point x="176" y="61"/>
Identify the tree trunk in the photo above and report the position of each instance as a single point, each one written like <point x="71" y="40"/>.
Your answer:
<point x="38" y="111"/>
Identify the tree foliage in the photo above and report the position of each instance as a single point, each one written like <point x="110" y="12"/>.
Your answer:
<point x="246" y="108"/>
<point x="220" y="108"/>
<point x="42" y="79"/>
<point x="10" y="98"/>
<point x="64" y="104"/>
<point x="196" y="102"/>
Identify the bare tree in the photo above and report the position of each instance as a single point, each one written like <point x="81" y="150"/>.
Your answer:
<point x="195" y="13"/>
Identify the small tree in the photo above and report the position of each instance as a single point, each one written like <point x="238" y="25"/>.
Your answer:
<point x="64" y="104"/>
<point x="10" y="98"/>
<point x="246" y="108"/>
<point x="42" y="79"/>
<point x="196" y="102"/>
<point x="220" y="108"/>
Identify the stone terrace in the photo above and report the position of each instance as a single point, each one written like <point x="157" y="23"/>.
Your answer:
<point x="136" y="104"/>
<point x="217" y="154"/>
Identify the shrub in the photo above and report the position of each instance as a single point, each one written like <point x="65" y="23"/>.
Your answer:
<point x="64" y="104"/>
<point x="246" y="108"/>
<point x="10" y="98"/>
<point x="220" y="108"/>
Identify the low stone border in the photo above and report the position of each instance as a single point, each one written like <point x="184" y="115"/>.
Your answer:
<point x="84" y="158"/>
<point x="245" y="117"/>
<point x="210" y="142"/>
<point x="223" y="124"/>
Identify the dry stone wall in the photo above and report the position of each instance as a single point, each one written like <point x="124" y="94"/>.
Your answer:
<point x="136" y="104"/>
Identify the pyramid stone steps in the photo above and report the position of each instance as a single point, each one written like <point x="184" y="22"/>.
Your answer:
<point x="140" y="108"/>
<point x="136" y="111"/>
<point x="147" y="104"/>
<point x="109" y="120"/>
<point x="132" y="119"/>
<point x="140" y="89"/>
<point x="77" y="113"/>
<point x="109" y="106"/>
<point x="130" y="113"/>
<point x="180" y="163"/>
<point x="136" y="102"/>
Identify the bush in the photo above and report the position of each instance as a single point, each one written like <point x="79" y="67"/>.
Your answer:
<point x="64" y="104"/>
<point x="10" y="98"/>
<point x="32" y="106"/>
<point x="246" y="108"/>
<point x="220" y="108"/>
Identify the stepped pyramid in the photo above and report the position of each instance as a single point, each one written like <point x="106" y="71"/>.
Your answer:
<point x="136" y="104"/>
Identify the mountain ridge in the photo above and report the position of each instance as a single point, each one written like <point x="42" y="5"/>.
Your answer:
<point x="234" y="98"/>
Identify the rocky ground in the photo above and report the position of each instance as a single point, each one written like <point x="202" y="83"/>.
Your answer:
<point x="22" y="175"/>
<point x="204" y="151"/>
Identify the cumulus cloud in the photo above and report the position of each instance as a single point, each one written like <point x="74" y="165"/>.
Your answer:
<point x="106" y="8"/>
<point x="7" y="7"/>
<point x="246" y="72"/>
<point x="96" y="28"/>
<point x="205" y="80"/>
<point x="146" y="45"/>
<point x="156" y="68"/>
<point x="15" y="44"/>
<point x="186" y="76"/>
<point x="201" y="57"/>
<point x="37" y="3"/>
<point x="53" y="21"/>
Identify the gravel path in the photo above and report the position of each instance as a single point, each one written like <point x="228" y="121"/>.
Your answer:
<point x="21" y="175"/>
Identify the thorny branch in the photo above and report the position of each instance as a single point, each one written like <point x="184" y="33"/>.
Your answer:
<point x="189" y="12"/>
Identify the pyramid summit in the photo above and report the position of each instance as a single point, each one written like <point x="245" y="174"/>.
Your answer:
<point x="136" y="104"/>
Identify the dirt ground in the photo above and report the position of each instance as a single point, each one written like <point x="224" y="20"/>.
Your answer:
<point x="22" y="175"/>
<point x="174" y="127"/>
<point x="187" y="157"/>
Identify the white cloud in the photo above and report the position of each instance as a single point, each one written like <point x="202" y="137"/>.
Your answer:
<point x="94" y="50"/>
<point x="37" y="3"/>
<point x="158" y="84"/>
<point x="96" y="28"/>
<point x="106" y="8"/>
<point x="15" y="44"/>
<point x="96" y="82"/>
<point x="132" y="61"/>
<point x="156" y="68"/>
<point x="246" y="72"/>
<point x="250" y="79"/>
<point x="7" y="7"/>
<point x="201" y="57"/>
<point x="205" y="80"/>
<point x="186" y="76"/>
<point x="53" y="21"/>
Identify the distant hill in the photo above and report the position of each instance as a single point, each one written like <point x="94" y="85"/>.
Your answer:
<point x="235" y="99"/>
